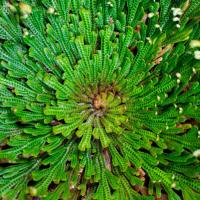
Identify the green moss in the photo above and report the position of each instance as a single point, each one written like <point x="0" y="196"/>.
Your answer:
<point x="99" y="99"/>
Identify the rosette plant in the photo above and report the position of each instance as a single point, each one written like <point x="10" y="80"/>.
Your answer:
<point x="99" y="99"/>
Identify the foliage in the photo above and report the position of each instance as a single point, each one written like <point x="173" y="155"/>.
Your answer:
<point x="99" y="99"/>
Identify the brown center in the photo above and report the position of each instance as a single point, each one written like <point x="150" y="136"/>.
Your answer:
<point x="99" y="102"/>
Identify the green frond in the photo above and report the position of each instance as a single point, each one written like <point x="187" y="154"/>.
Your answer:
<point x="99" y="99"/>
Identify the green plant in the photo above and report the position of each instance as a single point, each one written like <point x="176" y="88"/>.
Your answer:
<point x="100" y="99"/>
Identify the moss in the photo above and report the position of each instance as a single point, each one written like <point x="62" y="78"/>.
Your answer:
<point x="99" y="99"/>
